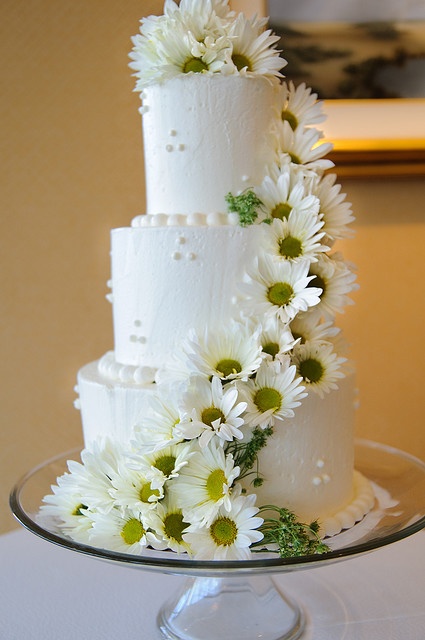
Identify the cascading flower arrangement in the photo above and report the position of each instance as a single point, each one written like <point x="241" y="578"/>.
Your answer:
<point x="186" y="482"/>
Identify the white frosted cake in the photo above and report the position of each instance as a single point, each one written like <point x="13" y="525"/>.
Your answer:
<point x="226" y="359"/>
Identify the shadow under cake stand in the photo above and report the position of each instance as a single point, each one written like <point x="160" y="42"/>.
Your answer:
<point x="238" y="600"/>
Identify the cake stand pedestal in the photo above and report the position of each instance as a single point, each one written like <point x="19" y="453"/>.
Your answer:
<point x="237" y="600"/>
<point x="243" y="608"/>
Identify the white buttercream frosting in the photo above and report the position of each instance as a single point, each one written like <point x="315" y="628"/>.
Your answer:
<point x="186" y="220"/>
<point x="115" y="371"/>
<point x="205" y="136"/>
<point x="168" y="280"/>
<point x="308" y="462"/>
<point x="361" y="503"/>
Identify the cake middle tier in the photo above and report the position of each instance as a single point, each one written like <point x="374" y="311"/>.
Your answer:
<point x="169" y="280"/>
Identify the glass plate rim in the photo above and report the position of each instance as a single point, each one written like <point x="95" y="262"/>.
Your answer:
<point x="185" y="565"/>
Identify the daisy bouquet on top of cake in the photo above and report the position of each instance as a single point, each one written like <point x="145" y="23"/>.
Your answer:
<point x="186" y="482"/>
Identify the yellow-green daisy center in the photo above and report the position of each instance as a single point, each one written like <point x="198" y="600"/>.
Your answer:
<point x="272" y="348"/>
<point x="294" y="158"/>
<point x="280" y="293"/>
<point x="133" y="531"/>
<point x="290" y="118"/>
<point x="147" y="492"/>
<point x="224" y="531"/>
<point x="267" y="398"/>
<point x="290" y="247"/>
<point x="214" y="484"/>
<point x="240" y="61"/>
<point x="210" y="414"/>
<point x="281" y="210"/>
<point x="166" y="464"/>
<point x="196" y="65"/>
<point x="228" y="367"/>
<point x="174" y="525"/>
<point x="311" y="370"/>
<point x="79" y="510"/>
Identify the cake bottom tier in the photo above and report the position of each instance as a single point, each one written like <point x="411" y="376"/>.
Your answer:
<point x="307" y="465"/>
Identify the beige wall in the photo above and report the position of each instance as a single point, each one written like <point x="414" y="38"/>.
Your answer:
<point x="72" y="169"/>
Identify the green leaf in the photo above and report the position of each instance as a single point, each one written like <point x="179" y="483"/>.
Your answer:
<point x="246" y="205"/>
<point x="292" y="537"/>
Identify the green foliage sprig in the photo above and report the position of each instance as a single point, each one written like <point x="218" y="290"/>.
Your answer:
<point x="246" y="205"/>
<point x="292" y="537"/>
<point x="245" y="454"/>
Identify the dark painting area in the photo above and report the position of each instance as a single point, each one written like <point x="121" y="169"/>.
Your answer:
<point x="369" y="60"/>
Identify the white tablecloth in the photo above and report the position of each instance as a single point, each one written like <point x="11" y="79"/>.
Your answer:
<point x="50" y="593"/>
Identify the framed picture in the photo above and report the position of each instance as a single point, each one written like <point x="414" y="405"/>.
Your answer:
<point x="369" y="71"/>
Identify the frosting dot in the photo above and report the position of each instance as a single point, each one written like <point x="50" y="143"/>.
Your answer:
<point x="191" y="256"/>
<point x="320" y="463"/>
<point x="137" y="323"/>
<point x="133" y="338"/>
<point x="317" y="480"/>
<point x="173" y="132"/>
<point x="326" y="478"/>
<point x="176" y="255"/>
<point x="169" y="147"/>
<point x="142" y="340"/>
<point x="143" y="109"/>
<point x="181" y="240"/>
<point x="181" y="147"/>
<point x="245" y="178"/>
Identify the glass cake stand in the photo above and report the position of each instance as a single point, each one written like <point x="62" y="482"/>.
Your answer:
<point x="238" y="600"/>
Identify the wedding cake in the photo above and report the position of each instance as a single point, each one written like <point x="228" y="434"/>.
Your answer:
<point x="229" y="386"/>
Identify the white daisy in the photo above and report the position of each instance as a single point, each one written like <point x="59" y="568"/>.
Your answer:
<point x="100" y="461"/>
<point x="168" y="523"/>
<point x="132" y="488"/>
<point x="210" y="411"/>
<point x="158" y="427"/>
<point x="165" y="463"/>
<point x="299" y="105"/>
<point x="200" y="16"/>
<point x="319" y="366"/>
<point x="67" y="504"/>
<point x="124" y="531"/>
<point x="230" y="353"/>
<point x="302" y="147"/>
<point x="297" y="237"/>
<point x="307" y="328"/>
<point x="273" y="394"/>
<point x="276" y="339"/>
<point x="253" y="49"/>
<point x="205" y="484"/>
<point x="279" y="288"/>
<point x="230" y="534"/>
<point x="173" y="51"/>
<point x="283" y="192"/>
<point x="334" y="209"/>
<point x="336" y="280"/>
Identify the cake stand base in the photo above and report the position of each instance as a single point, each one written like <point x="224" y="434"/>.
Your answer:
<point x="242" y="608"/>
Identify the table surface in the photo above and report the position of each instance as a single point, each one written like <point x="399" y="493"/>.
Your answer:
<point x="51" y="593"/>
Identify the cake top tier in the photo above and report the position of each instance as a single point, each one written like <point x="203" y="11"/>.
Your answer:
<point x="203" y="36"/>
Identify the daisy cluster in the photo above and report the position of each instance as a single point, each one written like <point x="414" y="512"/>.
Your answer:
<point x="186" y="482"/>
<point x="202" y="36"/>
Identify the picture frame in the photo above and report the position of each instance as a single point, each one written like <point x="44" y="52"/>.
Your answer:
<point x="372" y="137"/>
